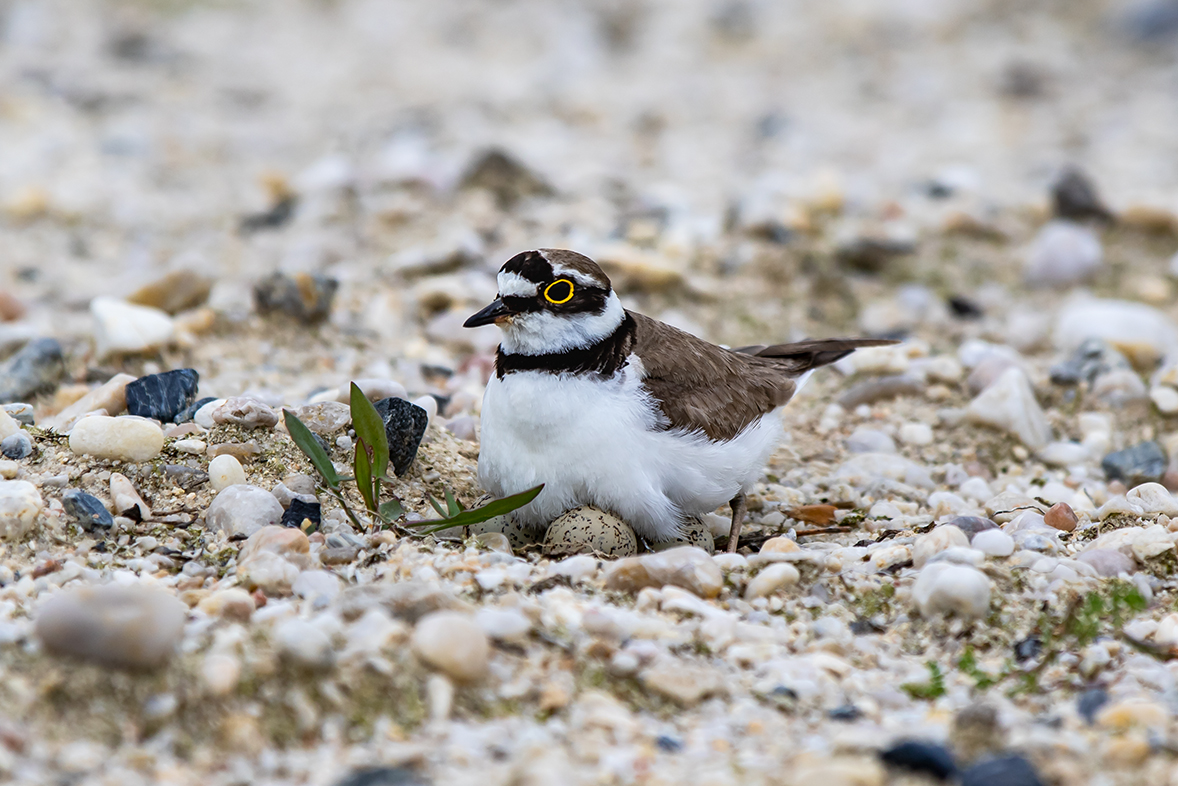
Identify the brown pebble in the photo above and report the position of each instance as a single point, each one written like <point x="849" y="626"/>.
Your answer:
<point x="46" y="567"/>
<point x="820" y="515"/>
<point x="339" y="556"/>
<point x="10" y="308"/>
<point x="242" y="451"/>
<point x="1061" y="517"/>
<point x="1116" y="487"/>
<point x="259" y="598"/>
<point x="1170" y="479"/>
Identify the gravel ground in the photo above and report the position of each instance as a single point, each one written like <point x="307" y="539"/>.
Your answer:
<point x="959" y="566"/>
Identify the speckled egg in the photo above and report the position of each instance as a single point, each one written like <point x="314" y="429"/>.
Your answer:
<point x="587" y="530"/>
<point x="516" y="534"/>
<point x="695" y="533"/>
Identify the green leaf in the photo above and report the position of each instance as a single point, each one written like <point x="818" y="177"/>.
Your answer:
<point x="362" y="465"/>
<point x="496" y="507"/>
<point x="436" y="505"/>
<point x="370" y="429"/>
<point x="453" y="506"/>
<point x="306" y="442"/>
<point x="390" y="511"/>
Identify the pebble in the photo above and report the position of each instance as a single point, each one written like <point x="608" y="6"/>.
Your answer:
<point x="972" y="525"/>
<point x="188" y="414"/>
<point x="1010" y="770"/>
<point x="8" y="425"/>
<point x="1137" y="330"/>
<point x="87" y="510"/>
<point x="321" y="587"/>
<point x="452" y="643"/>
<point x="866" y="440"/>
<point x="943" y="537"/>
<point x="944" y="588"/>
<point x="1165" y="398"/>
<point x="125" y="438"/>
<point x="36" y="368"/>
<point x="1089" y="703"/>
<point x="1094" y="358"/>
<point x="242" y="451"/>
<point x="881" y="389"/>
<point x="300" y="510"/>
<point x="185" y="477"/>
<point x="1074" y="196"/>
<point x="162" y="396"/>
<point x="518" y="536"/>
<point x="504" y="624"/>
<point x="303" y="296"/>
<point x="246" y="412"/>
<point x="326" y="417"/>
<point x="771" y="579"/>
<point x="1154" y="499"/>
<point x="21" y="412"/>
<point x="1063" y="253"/>
<point x="20" y="502"/>
<point x="233" y="603"/>
<point x="684" y="684"/>
<point x="17" y="446"/>
<point x="108" y="398"/>
<point x="122" y="328"/>
<point x="587" y="530"/>
<point x="993" y="543"/>
<point x="1143" y="463"/>
<point x="386" y="776"/>
<point x="688" y="567"/>
<point x="193" y="447"/>
<point x="405" y="424"/>
<point x="1009" y="404"/>
<point x="126" y="500"/>
<point x="1061" y="516"/>
<point x="225" y="471"/>
<point x="505" y="177"/>
<point x="177" y="291"/>
<point x="917" y="434"/>
<point x="919" y="756"/>
<point x="240" y="511"/>
<point x="129" y="627"/>
<point x="304" y="643"/>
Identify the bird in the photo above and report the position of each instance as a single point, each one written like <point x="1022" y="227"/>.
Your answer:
<point x="611" y="408"/>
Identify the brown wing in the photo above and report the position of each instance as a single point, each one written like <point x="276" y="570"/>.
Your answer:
<point x="700" y="386"/>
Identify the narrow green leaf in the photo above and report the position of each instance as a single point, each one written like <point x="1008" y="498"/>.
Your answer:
<point x="362" y="465"/>
<point x="437" y="506"/>
<point x="390" y="511"/>
<point x="370" y="428"/>
<point x="306" y="442"/>
<point x="452" y="506"/>
<point x="496" y="507"/>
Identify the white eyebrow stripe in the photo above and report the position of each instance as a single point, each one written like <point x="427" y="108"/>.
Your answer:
<point x="515" y="285"/>
<point x="560" y="271"/>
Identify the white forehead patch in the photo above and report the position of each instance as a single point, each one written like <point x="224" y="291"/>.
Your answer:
<point x="515" y="285"/>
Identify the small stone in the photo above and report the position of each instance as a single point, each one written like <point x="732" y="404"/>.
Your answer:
<point x="866" y="440"/>
<point x="1063" y="254"/>
<point x="186" y="478"/>
<point x="220" y="673"/>
<point x="1131" y="713"/>
<point x="245" y="412"/>
<point x="290" y="544"/>
<point x="17" y="446"/>
<point x="993" y="543"/>
<point x="1134" y="329"/>
<point x="162" y="396"/>
<point x="242" y="451"/>
<point x="233" y="603"/>
<point x="21" y="412"/>
<point x="1074" y="197"/>
<point x="916" y="434"/>
<point x="1011" y="770"/>
<point x="780" y="545"/>
<point x="918" y="756"/>
<point x="977" y="732"/>
<point x="300" y="511"/>
<point x="504" y="624"/>
<point x="326" y="417"/>
<point x="304" y="643"/>
<point x="587" y="530"/>
<point x="20" y="502"/>
<point x="87" y="510"/>
<point x="108" y="399"/>
<point x="126" y="500"/>
<point x="383" y="776"/>
<point x="505" y="177"/>
<point x="1061" y="516"/>
<point x="452" y="643"/>
<point x="36" y="368"/>
<point x="320" y="587"/>
<point x="405" y="424"/>
<point x="839" y="771"/>
<point x="1143" y="463"/>
<point x="8" y="425"/>
<point x="1090" y="702"/>
<point x="943" y="537"/>
<point x="178" y="291"/>
<point x="11" y="308"/>
<point x="1165" y="398"/>
<point x="687" y="567"/>
<point x="972" y="525"/>
<point x="304" y="297"/>
<point x="129" y="627"/>
<point x="193" y="447"/>
<point x="125" y="438"/>
<point x="188" y="414"/>
<point x="1091" y="360"/>
<point x="517" y="534"/>
<point x="225" y="471"/>
<point x="944" y="588"/>
<point x="240" y="511"/>
<point x="881" y="388"/>
<point x="684" y="684"/>
<point x="771" y="579"/>
<point x="121" y="328"/>
<point x="1009" y="404"/>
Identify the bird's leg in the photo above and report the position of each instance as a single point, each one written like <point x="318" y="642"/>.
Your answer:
<point x="738" y="510"/>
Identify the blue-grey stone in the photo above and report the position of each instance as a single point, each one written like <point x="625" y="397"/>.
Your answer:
<point x="37" y="368"/>
<point x="88" y="510"/>
<point x="189" y="412"/>
<point x="404" y="424"/>
<point x="1145" y="462"/>
<point x="921" y="756"/>
<point x="1090" y="702"/>
<point x="17" y="446"/>
<point x="186" y="477"/>
<point x="22" y="413"/>
<point x="1010" y="770"/>
<point x="299" y="510"/>
<point x="383" y="776"/>
<point x="162" y="396"/>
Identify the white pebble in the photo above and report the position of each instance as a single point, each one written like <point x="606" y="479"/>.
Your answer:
<point x="504" y="624"/>
<point x="193" y="447"/>
<point x="1062" y="254"/>
<point x="1009" y="404"/>
<point x="771" y="579"/>
<point x="1165" y="398"/>
<point x="916" y="434"/>
<point x="126" y="438"/>
<point x="303" y="642"/>
<point x="993" y="543"/>
<point x="225" y="471"/>
<point x="429" y="404"/>
<point x="121" y="327"/>
<point x="203" y="417"/>
<point x="947" y="588"/>
<point x="20" y="502"/>
<point x="452" y="643"/>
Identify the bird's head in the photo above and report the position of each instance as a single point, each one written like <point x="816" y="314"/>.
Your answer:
<point x="551" y="300"/>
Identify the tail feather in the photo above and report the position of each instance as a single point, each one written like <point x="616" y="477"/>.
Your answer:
<point x="803" y="356"/>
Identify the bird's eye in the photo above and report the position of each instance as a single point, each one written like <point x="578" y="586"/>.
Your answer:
<point x="559" y="291"/>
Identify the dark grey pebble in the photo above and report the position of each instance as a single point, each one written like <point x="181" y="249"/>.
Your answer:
<point x="1011" y="770"/>
<point x="17" y="446"/>
<point x="1090" y="702"/>
<point x="1090" y="360"/>
<point x="972" y="525"/>
<point x="302" y="296"/>
<point x="505" y="176"/>
<point x="1028" y="649"/>
<point x="404" y="424"/>
<point x="162" y="396"/>
<point x="668" y="744"/>
<point x="186" y="477"/>
<point x="1074" y="196"/>
<point x="22" y="413"/>
<point x="299" y="510"/>
<point x="1142" y="463"/>
<point x="189" y="412"/>
<point x="920" y="756"/>
<point x="88" y="510"/>
<point x="37" y="368"/>
<point x="846" y="713"/>
<point x="871" y="254"/>
<point x="384" y="776"/>
<point x="879" y="389"/>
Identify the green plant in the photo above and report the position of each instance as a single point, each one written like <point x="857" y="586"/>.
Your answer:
<point x="933" y="689"/>
<point x="968" y="665"/>
<point x="370" y="465"/>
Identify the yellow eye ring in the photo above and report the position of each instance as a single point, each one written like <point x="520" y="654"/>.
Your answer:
<point x="553" y="300"/>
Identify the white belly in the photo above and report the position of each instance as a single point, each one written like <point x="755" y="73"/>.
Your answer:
<point x="595" y="442"/>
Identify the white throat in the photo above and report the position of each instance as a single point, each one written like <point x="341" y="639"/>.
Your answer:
<point x="543" y="333"/>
